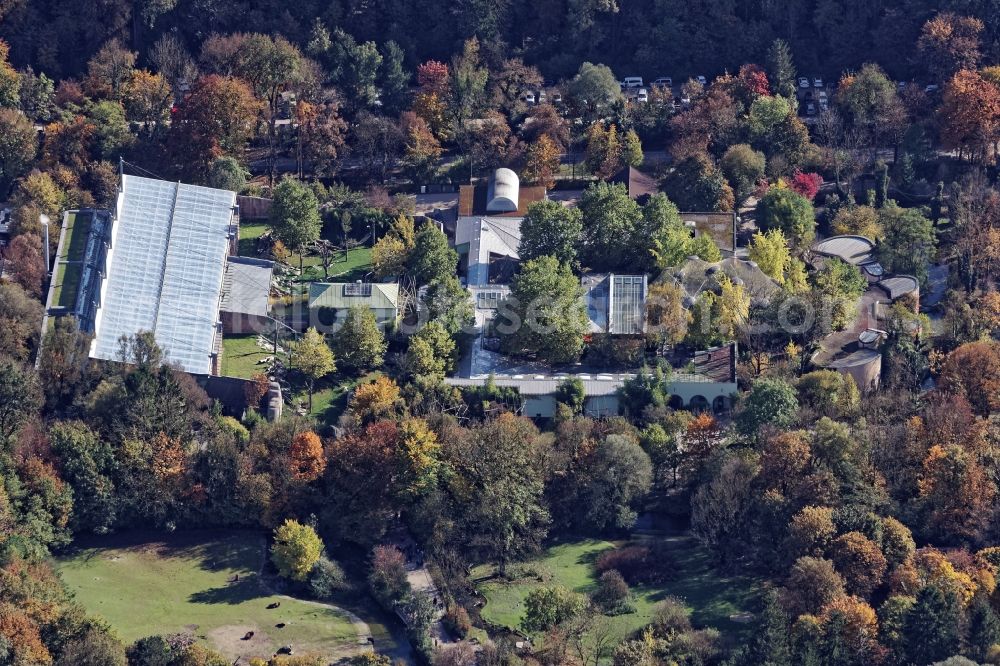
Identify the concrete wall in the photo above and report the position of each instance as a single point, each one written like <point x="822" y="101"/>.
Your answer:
<point x="539" y="406"/>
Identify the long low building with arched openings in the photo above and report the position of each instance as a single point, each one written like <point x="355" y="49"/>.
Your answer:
<point x="687" y="391"/>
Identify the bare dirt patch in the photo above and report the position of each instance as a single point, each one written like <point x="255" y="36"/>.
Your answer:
<point x="228" y="639"/>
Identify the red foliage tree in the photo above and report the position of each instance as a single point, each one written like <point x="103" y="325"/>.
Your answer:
<point x="432" y="76"/>
<point x="806" y="184"/>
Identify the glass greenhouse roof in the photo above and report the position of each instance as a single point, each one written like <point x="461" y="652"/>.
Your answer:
<point x="165" y="270"/>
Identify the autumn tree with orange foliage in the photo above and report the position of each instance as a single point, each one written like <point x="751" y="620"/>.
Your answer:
<point x="542" y="163"/>
<point x="431" y="103"/>
<point x="973" y="370"/>
<point x="852" y="624"/>
<point x="217" y="118"/>
<point x="26" y="262"/>
<point x="422" y="149"/>
<point x="23" y="636"/>
<point x="320" y="137"/>
<point x="956" y="495"/>
<point x="306" y="457"/>
<point x="702" y="437"/>
<point x="970" y="116"/>
<point x="256" y="388"/>
<point x="360" y="483"/>
<point x="861" y="563"/>
<point x="811" y="532"/>
<point x="950" y="42"/>
<point x="147" y="97"/>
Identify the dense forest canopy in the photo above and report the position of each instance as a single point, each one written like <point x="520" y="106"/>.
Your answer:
<point x="678" y="38"/>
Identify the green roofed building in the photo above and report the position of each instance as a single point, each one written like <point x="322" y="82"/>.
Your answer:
<point x="331" y="300"/>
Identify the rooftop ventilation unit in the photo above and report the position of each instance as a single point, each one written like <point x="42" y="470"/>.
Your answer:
<point x="502" y="191"/>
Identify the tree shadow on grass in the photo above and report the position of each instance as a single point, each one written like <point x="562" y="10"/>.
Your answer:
<point x="246" y="588"/>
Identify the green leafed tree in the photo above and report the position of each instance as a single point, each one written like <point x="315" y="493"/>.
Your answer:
<point x="570" y="392"/>
<point x="781" y="68"/>
<point x="295" y="215"/>
<point x="696" y="184"/>
<point x="743" y="168"/>
<point x="432" y="351"/>
<point x="549" y="228"/>
<point x="907" y="242"/>
<point x="449" y="304"/>
<point x="769" y="402"/>
<point x="789" y="211"/>
<point x="610" y="222"/>
<point x="632" y="149"/>
<point x="548" y="607"/>
<point x="594" y="88"/>
<point x="19" y="398"/>
<point x="549" y="315"/>
<point x="313" y="357"/>
<point x="359" y="343"/>
<point x="432" y="259"/>
<point x="393" y="78"/>
<point x="226" y="173"/>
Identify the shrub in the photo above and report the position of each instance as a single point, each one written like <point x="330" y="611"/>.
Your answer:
<point x="233" y="427"/>
<point x="671" y="617"/>
<point x="326" y="578"/>
<point x="612" y="594"/>
<point x="547" y="607"/>
<point x="638" y="565"/>
<point x="387" y="578"/>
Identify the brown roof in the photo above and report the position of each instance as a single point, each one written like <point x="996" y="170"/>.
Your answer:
<point x="472" y="200"/>
<point x="720" y="226"/>
<point x="640" y="185"/>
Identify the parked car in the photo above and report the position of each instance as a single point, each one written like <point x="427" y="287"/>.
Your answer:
<point x="817" y="82"/>
<point x="900" y="85"/>
<point x="632" y="82"/>
<point x="931" y="88"/>
<point x="803" y="82"/>
<point x="529" y="97"/>
<point x="642" y="95"/>
<point x="663" y="82"/>
<point x="556" y="98"/>
<point x="810" y="109"/>
<point x="684" y="101"/>
<point x="541" y="97"/>
<point x="824" y="103"/>
<point x="701" y="79"/>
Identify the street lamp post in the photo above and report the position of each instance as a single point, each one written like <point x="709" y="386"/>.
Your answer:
<point x="44" y="219"/>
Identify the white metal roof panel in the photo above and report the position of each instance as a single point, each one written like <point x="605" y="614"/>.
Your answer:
<point x="166" y="269"/>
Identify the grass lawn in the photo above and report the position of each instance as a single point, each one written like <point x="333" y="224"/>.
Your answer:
<point x="714" y="600"/>
<point x="186" y="582"/>
<point x="77" y="231"/>
<point x="67" y="276"/>
<point x="353" y="267"/>
<point x="343" y="269"/>
<point x="330" y="398"/>
<point x="240" y="356"/>
<point x="249" y="233"/>
<point x="67" y="282"/>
